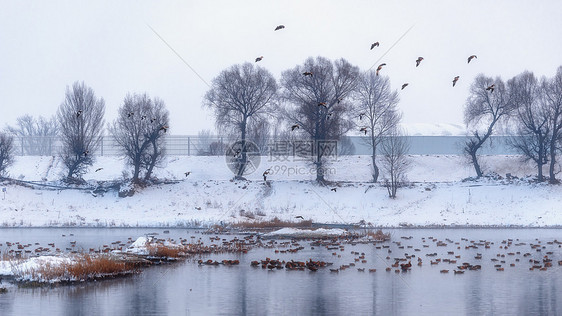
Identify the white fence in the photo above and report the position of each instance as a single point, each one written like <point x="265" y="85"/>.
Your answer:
<point x="212" y="146"/>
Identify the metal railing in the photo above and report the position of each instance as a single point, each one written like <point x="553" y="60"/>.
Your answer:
<point x="185" y="145"/>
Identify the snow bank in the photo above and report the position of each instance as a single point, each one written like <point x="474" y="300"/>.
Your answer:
<point x="208" y="196"/>
<point x="307" y="233"/>
<point x="24" y="267"/>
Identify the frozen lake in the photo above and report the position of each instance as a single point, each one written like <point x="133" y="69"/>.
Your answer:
<point x="188" y="288"/>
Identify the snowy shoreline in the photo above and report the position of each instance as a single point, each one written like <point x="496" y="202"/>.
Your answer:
<point x="436" y="197"/>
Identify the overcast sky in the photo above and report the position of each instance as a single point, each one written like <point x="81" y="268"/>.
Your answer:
<point x="47" y="45"/>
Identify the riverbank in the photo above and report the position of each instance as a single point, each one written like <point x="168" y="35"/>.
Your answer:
<point x="435" y="197"/>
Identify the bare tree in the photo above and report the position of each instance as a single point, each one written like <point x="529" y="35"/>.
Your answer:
<point x="487" y="104"/>
<point x="552" y="94"/>
<point x="316" y="95"/>
<point x="395" y="163"/>
<point x="532" y="120"/>
<point x="80" y="118"/>
<point x="37" y="135"/>
<point x="139" y="130"/>
<point x="6" y="152"/>
<point x="241" y="96"/>
<point x="376" y="111"/>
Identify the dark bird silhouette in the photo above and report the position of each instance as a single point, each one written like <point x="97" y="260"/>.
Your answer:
<point x="99" y="169"/>
<point x="299" y="217"/>
<point x="375" y="44"/>
<point x="86" y="152"/>
<point x="455" y="80"/>
<point x="471" y="57"/>
<point x="259" y="59"/>
<point x="130" y="114"/>
<point x="265" y="173"/>
<point x="404" y="86"/>
<point x="363" y="129"/>
<point x="187" y="173"/>
<point x="164" y="128"/>
<point x="491" y="88"/>
<point x="143" y="117"/>
<point x="78" y="113"/>
<point x="237" y="152"/>
<point x="280" y="27"/>
<point x="307" y="73"/>
<point x="152" y="120"/>
<point x="296" y="126"/>
<point x="418" y="61"/>
<point x="333" y="189"/>
<point x="322" y="104"/>
<point x="379" y="68"/>
<point x="361" y="116"/>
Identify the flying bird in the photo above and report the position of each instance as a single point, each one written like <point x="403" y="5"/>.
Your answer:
<point x="130" y="114"/>
<point x="187" y="173"/>
<point x="299" y="216"/>
<point x="361" y="116"/>
<point x="143" y="117"/>
<point x="259" y="59"/>
<point x="78" y="113"/>
<point x="491" y="88"/>
<point x="418" y="61"/>
<point x="471" y="57"/>
<point x="296" y="126"/>
<point x="265" y="173"/>
<point x="99" y="169"/>
<point x="380" y="67"/>
<point x="280" y="27"/>
<point x="455" y="80"/>
<point x="152" y="120"/>
<point x="404" y="86"/>
<point x="333" y="189"/>
<point x="363" y="129"/>
<point x="307" y="73"/>
<point x="164" y="128"/>
<point x="375" y="44"/>
<point x="322" y="104"/>
<point x="86" y="152"/>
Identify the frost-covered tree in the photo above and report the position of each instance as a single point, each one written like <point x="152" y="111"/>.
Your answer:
<point x="487" y="104"/>
<point x="139" y="130"/>
<point x="552" y="94"/>
<point x="395" y="163"/>
<point x="532" y="120"/>
<point x="6" y="152"/>
<point x="37" y="135"/>
<point x="376" y="111"/>
<point x="316" y="96"/>
<point x="241" y="97"/>
<point x="80" y="119"/>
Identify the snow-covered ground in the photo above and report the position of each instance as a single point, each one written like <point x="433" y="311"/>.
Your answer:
<point x="436" y="196"/>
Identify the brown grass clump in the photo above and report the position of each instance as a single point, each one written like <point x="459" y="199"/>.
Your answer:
<point x="378" y="235"/>
<point x="273" y="223"/>
<point x="82" y="268"/>
<point x="163" y="251"/>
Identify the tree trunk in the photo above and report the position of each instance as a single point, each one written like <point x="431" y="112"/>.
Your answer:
<point x="153" y="159"/>
<point x="243" y="162"/>
<point x="476" y="164"/>
<point x="376" y="171"/>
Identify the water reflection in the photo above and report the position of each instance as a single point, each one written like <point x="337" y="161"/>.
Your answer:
<point x="188" y="289"/>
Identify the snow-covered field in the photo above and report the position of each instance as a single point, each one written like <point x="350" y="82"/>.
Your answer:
<point x="436" y="196"/>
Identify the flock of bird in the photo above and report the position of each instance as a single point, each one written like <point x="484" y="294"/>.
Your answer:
<point x="406" y="255"/>
<point x="457" y="256"/>
<point x="378" y="70"/>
